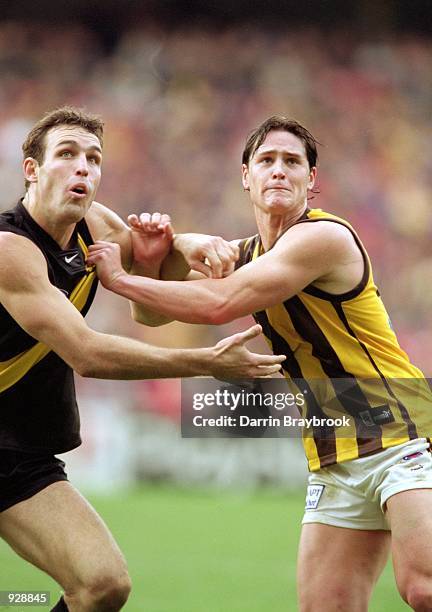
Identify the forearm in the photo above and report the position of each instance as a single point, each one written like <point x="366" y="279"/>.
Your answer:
<point x="139" y="312"/>
<point x="200" y="301"/>
<point x="174" y="266"/>
<point x="145" y="316"/>
<point x="114" y="357"/>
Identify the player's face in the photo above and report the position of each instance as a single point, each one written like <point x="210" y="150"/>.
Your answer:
<point x="278" y="175"/>
<point x="68" y="177"/>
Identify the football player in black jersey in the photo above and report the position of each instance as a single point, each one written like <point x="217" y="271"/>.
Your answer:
<point x="45" y="287"/>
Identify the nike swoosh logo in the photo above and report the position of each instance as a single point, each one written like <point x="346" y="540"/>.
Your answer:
<point x="71" y="258"/>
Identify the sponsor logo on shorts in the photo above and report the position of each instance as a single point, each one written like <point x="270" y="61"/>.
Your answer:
<point x="313" y="495"/>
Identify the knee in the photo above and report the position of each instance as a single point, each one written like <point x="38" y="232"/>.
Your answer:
<point x="418" y="595"/>
<point x="105" y="592"/>
<point x="110" y="592"/>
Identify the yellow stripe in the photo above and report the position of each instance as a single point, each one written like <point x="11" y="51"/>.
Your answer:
<point x="256" y="252"/>
<point x="14" y="369"/>
<point x="347" y="447"/>
<point x="84" y="249"/>
<point x="389" y="442"/>
<point x="248" y="241"/>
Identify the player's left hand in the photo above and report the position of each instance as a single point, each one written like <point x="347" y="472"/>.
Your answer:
<point x="211" y="255"/>
<point x="106" y="256"/>
<point x="152" y="236"/>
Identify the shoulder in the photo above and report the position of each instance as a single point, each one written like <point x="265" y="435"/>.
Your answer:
<point x="318" y="238"/>
<point x="21" y="259"/>
<point x="12" y="243"/>
<point x="12" y="220"/>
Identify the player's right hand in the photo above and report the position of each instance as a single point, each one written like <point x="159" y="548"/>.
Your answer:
<point x="210" y="255"/>
<point x="234" y="361"/>
<point x="106" y="257"/>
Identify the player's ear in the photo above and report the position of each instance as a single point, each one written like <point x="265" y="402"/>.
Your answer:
<point x="245" y="177"/>
<point x="31" y="169"/>
<point x="312" y="177"/>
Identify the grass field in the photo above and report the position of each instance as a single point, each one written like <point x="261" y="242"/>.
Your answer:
<point x="195" y="551"/>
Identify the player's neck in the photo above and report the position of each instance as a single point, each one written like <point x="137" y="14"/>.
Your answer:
<point x="58" y="229"/>
<point x="271" y="226"/>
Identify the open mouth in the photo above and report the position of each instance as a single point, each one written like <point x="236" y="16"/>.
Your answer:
<point x="79" y="190"/>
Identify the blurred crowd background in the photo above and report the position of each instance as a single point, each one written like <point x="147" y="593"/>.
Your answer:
<point x="179" y="96"/>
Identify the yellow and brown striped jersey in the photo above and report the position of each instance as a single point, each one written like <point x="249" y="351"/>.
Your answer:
<point x="344" y="355"/>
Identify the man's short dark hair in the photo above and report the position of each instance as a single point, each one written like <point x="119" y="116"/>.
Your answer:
<point x="34" y="144"/>
<point x="281" y="123"/>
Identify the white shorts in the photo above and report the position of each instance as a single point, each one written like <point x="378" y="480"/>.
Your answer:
<point x="353" y="494"/>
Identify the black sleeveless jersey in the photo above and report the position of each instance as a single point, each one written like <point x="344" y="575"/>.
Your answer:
<point x="38" y="409"/>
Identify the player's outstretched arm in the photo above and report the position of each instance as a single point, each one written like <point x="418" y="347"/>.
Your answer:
<point x="315" y="252"/>
<point x="45" y="313"/>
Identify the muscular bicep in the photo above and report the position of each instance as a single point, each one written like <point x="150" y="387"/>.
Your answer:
<point x="254" y="280"/>
<point x="35" y="304"/>
<point x="265" y="282"/>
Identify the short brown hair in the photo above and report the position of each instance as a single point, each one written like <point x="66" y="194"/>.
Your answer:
<point x="34" y="144"/>
<point x="279" y="122"/>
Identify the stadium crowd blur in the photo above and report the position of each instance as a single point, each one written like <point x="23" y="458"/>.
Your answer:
<point x="177" y="107"/>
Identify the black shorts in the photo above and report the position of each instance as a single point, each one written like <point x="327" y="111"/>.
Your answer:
<point x="24" y="474"/>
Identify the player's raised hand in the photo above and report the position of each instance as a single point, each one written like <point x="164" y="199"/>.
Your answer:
<point x="106" y="256"/>
<point x="152" y="236"/>
<point x="211" y="255"/>
<point x="234" y="361"/>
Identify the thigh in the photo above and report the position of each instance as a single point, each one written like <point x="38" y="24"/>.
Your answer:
<point x="410" y="518"/>
<point x="23" y="474"/>
<point x="338" y="567"/>
<point x="58" y="531"/>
